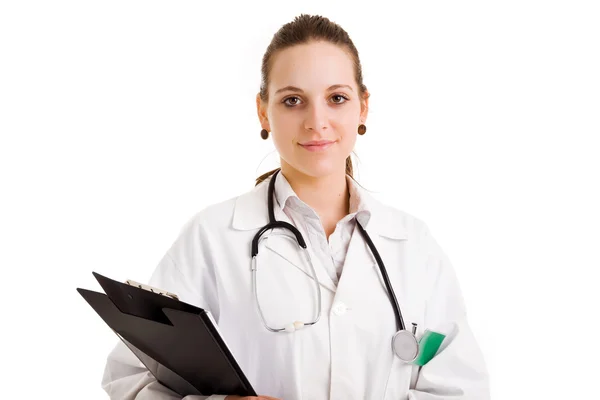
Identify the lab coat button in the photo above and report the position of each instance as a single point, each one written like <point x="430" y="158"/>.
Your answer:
<point x="339" y="309"/>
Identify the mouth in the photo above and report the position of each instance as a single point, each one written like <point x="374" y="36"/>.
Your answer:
<point x="317" y="145"/>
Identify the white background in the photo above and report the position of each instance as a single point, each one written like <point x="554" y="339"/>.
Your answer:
<point x="121" y="119"/>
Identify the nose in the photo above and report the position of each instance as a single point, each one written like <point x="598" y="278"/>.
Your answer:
<point x="316" y="117"/>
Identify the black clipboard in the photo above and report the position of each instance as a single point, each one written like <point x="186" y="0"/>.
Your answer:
<point x="176" y="341"/>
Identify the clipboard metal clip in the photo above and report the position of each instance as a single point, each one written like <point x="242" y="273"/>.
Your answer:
<point x="151" y="289"/>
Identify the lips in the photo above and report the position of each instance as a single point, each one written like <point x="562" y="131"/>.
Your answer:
<point x="317" y="145"/>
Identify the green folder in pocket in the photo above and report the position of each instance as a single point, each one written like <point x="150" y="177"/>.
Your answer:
<point x="428" y="346"/>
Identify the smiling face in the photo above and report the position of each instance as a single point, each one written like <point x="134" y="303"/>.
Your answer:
<point x="314" y="108"/>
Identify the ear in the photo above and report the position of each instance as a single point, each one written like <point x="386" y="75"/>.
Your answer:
<point x="261" y="111"/>
<point x="364" y="107"/>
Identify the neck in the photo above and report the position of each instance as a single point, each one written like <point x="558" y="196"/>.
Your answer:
<point x="327" y="195"/>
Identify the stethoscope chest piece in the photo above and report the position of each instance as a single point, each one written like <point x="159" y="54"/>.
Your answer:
<point x="405" y="346"/>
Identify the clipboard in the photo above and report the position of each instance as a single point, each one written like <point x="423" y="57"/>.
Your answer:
<point x="178" y="342"/>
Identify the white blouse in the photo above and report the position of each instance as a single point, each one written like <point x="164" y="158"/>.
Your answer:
<point x="332" y="252"/>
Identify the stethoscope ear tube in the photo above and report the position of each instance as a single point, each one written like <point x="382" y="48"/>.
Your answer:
<point x="277" y="224"/>
<point x="273" y="223"/>
<point x="294" y="325"/>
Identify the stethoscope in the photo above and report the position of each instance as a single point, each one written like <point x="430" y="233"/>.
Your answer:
<point x="404" y="343"/>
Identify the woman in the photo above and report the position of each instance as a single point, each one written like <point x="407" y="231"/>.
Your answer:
<point x="314" y="103"/>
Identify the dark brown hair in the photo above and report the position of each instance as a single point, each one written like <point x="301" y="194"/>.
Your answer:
<point x="302" y="30"/>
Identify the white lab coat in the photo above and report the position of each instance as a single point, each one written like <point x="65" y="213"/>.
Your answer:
<point x="348" y="353"/>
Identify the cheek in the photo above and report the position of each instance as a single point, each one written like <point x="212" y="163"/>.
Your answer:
<point x="349" y="135"/>
<point x="284" y="142"/>
<point x="285" y="122"/>
<point x="282" y="128"/>
<point x="348" y="144"/>
<point x="351" y="140"/>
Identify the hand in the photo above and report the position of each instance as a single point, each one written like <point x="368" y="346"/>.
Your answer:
<point x="234" y="397"/>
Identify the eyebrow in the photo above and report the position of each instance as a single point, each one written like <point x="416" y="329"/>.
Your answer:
<point x="295" y="89"/>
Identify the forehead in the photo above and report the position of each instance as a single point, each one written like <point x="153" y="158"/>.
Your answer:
<point x="313" y="66"/>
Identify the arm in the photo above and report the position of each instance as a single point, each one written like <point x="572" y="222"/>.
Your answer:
<point x="125" y="377"/>
<point x="458" y="371"/>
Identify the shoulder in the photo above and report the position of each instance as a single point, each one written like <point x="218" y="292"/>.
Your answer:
<point x="430" y="258"/>
<point x="228" y="214"/>
<point x="411" y="222"/>
<point x="395" y="222"/>
<point x="424" y="243"/>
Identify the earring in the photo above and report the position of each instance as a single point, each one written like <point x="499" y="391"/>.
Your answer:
<point x="362" y="129"/>
<point x="264" y="134"/>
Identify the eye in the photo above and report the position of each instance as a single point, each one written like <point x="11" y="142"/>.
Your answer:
<point x="339" y="99"/>
<point x="285" y="101"/>
<point x="340" y="96"/>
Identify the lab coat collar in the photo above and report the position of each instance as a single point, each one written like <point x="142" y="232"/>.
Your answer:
<point x="251" y="212"/>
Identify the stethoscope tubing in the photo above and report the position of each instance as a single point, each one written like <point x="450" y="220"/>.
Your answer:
<point x="282" y="224"/>
<point x="404" y="343"/>
<point x="399" y="320"/>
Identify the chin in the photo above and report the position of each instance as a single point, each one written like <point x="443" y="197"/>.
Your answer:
<point x="318" y="169"/>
